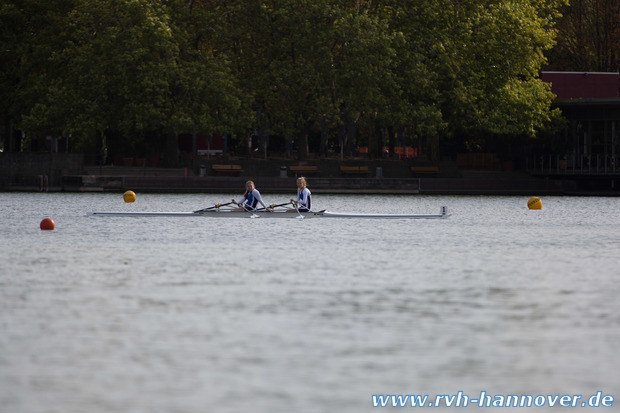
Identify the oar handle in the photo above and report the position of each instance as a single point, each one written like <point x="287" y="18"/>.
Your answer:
<point x="279" y="205"/>
<point x="296" y="205"/>
<point x="272" y="206"/>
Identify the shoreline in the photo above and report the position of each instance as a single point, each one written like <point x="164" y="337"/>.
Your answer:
<point x="491" y="184"/>
<point x="66" y="174"/>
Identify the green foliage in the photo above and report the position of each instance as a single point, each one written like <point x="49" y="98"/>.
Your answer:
<point x="487" y="61"/>
<point x="437" y="68"/>
<point x="123" y="65"/>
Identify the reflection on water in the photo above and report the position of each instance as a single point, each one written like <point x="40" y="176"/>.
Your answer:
<point x="173" y="314"/>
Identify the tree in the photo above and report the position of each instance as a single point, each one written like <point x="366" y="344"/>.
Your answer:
<point x="129" y="66"/>
<point x="28" y="36"/>
<point x="495" y="50"/>
<point x="588" y="37"/>
<point x="146" y="69"/>
<point x="282" y="54"/>
<point x="311" y="65"/>
<point x="365" y="86"/>
<point x="413" y="105"/>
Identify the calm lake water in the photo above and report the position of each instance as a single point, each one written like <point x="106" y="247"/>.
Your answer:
<point x="174" y="314"/>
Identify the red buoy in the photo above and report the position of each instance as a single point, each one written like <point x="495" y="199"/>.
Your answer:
<point x="48" y="224"/>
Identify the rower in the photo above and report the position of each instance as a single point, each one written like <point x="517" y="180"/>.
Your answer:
<point x="304" y="196"/>
<point x="251" y="198"/>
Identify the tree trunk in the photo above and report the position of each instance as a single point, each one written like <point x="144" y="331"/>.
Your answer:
<point x="324" y="138"/>
<point x="400" y="140"/>
<point x="9" y="139"/>
<point x="289" y="144"/>
<point x="351" y="137"/>
<point x="342" y="139"/>
<point x="302" y="143"/>
<point x="433" y="148"/>
<point x="375" y="143"/>
<point x="392" y="139"/>
<point x="171" y="151"/>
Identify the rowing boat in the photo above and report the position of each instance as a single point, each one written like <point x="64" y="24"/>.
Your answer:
<point x="225" y="213"/>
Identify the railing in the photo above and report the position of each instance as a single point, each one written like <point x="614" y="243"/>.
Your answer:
<point x="572" y="164"/>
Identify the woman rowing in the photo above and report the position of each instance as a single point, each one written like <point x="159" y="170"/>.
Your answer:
<point x="251" y="198"/>
<point x="304" y="196"/>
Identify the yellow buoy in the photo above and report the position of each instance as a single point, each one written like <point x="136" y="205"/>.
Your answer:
<point x="129" y="196"/>
<point x="534" y="203"/>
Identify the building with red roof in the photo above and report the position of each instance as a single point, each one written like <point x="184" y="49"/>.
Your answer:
<point x="590" y="102"/>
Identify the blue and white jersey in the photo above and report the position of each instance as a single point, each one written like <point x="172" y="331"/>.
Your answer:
<point x="252" y="199"/>
<point x="304" y="199"/>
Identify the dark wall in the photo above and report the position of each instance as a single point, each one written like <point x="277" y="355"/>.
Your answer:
<point x="26" y="168"/>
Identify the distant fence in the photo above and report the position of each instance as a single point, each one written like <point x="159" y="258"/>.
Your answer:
<point x="572" y="164"/>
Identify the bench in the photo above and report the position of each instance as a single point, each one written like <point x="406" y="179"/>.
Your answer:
<point x="209" y="152"/>
<point x="227" y="168"/>
<point x="425" y="170"/>
<point x="354" y="170"/>
<point x="305" y="169"/>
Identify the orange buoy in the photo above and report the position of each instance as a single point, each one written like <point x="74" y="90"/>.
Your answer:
<point x="47" y="224"/>
<point x="534" y="203"/>
<point x="129" y="196"/>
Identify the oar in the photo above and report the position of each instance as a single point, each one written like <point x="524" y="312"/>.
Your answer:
<point x="252" y="214"/>
<point x="273" y="206"/>
<point x="216" y="206"/>
<point x="296" y="205"/>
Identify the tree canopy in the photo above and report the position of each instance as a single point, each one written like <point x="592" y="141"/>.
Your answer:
<point x="588" y="37"/>
<point x="292" y="68"/>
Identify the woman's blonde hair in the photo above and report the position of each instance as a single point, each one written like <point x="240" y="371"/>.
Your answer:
<point x="246" y="185"/>
<point x="302" y="179"/>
